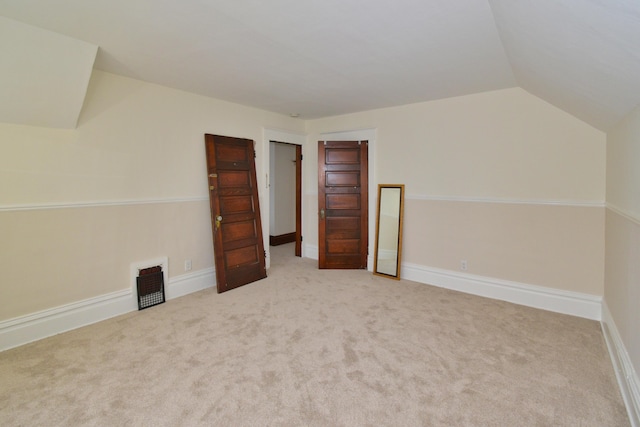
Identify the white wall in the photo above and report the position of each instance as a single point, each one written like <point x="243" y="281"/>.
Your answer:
<point x="464" y="147"/>
<point x="501" y="179"/>
<point x="128" y="185"/>
<point x="622" y="262"/>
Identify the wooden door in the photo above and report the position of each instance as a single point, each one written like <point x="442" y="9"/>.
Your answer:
<point x="343" y="204"/>
<point x="235" y="212"/>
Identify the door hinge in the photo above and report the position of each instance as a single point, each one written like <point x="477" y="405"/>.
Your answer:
<point x="255" y="156"/>
<point x="301" y="238"/>
<point x="265" y="254"/>
<point x="301" y="156"/>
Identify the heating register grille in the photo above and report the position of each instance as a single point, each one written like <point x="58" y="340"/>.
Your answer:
<point x="150" y="283"/>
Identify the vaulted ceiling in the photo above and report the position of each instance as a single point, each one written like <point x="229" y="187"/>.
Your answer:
<point x="320" y="58"/>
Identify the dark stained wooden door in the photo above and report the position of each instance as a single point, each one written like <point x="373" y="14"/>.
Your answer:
<point x="343" y="204"/>
<point x="235" y="212"/>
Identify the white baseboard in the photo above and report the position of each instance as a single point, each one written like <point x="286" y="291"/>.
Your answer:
<point x="556" y="300"/>
<point x="311" y="251"/>
<point x="193" y="282"/>
<point x="622" y="365"/>
<point x="25" y="329"/>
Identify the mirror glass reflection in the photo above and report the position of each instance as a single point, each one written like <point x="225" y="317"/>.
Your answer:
<point x="389" y="230"/>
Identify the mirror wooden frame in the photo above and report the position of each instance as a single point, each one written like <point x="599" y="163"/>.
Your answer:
<point x="388" y="249"/>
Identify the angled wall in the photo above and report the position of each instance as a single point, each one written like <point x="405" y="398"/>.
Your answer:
<point x="622" y="261"/>
<point x="44" y="76"/>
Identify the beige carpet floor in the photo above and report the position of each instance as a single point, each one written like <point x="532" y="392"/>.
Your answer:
<point x="309" y="347"/>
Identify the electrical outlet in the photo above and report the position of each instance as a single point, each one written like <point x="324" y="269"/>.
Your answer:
<point x="187" y="265"/>
<point x="463" y="265"/>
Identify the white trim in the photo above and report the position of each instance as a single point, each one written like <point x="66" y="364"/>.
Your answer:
<point x="25" y="329"/>
<point x="349" y="135"/>
<point x="577" y="203"/>
<point x="129" y="202"/>
<point x="92" y="204"/>
<point x="556" y="300"/>
<point x="43" y="324"/>
<point x="191" y="282"/>
<point x="624" y="213"/>
<point x="281" y="135"/>
<point x="622" y="365"/>
<point x="311" y="251"/>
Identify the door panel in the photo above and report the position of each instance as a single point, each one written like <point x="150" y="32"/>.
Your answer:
<point x="232" y="153"/>
<point x="343" y="246"/>
<point x="342" y="179"/>
<point x="343" y="204"/>
<point x="235" y="212"/>
<point x="233" y="179"/>
<point x="241" y="256"/>
<point x="336" y="156"/>
<point x="342" y="228"/>
<point x="238" y="231"/>
<point x="237" y="204"/>
<point x="343" y="201"/>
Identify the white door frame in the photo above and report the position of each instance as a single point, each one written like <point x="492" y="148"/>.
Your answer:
<point x="289" y="137"/>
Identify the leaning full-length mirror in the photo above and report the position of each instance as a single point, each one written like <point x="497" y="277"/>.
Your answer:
<point x="386" y="261"/>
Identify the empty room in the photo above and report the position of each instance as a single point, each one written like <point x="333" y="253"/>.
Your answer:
<point x="191" y="211"/>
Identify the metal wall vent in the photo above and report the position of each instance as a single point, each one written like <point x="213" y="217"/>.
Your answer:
<point x="150" y="282"/>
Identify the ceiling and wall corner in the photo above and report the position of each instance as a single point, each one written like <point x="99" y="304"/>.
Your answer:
<point x="583" y="57"/>
<point x="330" y="58"/>
<point x="45" y="75"/>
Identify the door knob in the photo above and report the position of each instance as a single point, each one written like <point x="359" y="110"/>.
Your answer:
<point x="218" y="221"/>
<point x="321" y="213"/>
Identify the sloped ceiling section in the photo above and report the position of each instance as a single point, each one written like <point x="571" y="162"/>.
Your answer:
<point x="45" y="76"/>
<point x="321" y="58"/>
<point x="582" y="56"/>
<point x="315" y="58"/>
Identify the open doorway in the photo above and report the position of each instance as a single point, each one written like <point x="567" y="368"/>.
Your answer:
<point x="285" y="195"/>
